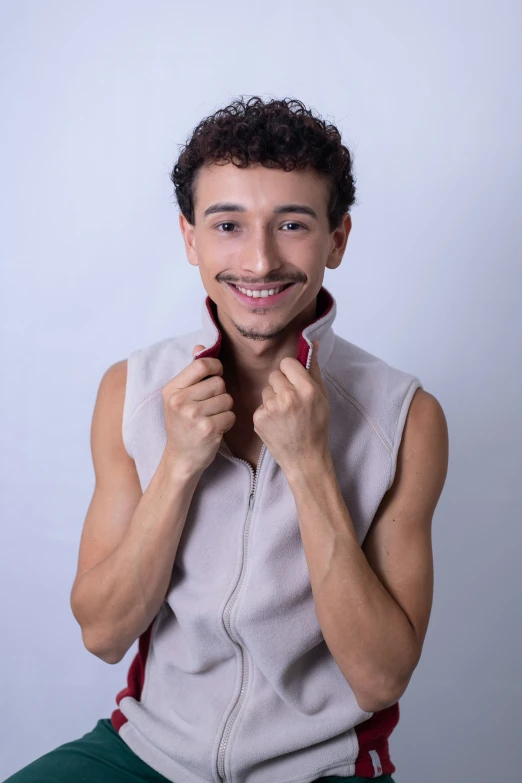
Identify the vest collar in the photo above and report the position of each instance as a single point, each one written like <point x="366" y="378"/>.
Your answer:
<point x="318" y="329"/>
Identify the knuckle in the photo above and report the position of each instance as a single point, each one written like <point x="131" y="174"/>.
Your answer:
<point x="219" y="384"/>
<point x="191" y="411"/>
<point x="287" y="398"/>
<point x="174" y="401"/>
<point x="213" y="364"/>
<point x="308" y="392"/>
<point x="204" y="366"/>
<point x="205" y="427"/>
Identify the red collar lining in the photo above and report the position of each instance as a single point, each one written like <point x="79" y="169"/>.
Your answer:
<point x="324" y="305"/>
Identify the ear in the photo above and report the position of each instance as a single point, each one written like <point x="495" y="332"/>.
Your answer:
<point x="187" y="231"/>
<point x="340" y="239"/>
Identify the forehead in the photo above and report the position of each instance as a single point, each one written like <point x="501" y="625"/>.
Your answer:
<point x="258" y="187"/>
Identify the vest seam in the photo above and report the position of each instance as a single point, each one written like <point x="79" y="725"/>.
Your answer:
<point x="148" y="664"/>
<point x="126" y="403"/>
<point x="399" y="427"/>
<point x="142" y="403"/>
<point x="364" y="413"/>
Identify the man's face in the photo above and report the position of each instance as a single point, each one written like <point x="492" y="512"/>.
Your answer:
<point x="266" y="228"/>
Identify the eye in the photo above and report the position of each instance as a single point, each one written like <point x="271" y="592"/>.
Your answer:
<point x="227" y="223"/>
<point x="221" y="230"/>
<point x="292" y="223"/>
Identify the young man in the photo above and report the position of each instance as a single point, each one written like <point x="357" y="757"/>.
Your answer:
<point x="261" y="520"/>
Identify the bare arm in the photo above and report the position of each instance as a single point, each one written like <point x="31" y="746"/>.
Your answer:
<point x="373" y="602"/>
<point x="130" y="539"/>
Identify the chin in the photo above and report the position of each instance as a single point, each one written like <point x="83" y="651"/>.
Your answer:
<point x="253" y="331"/>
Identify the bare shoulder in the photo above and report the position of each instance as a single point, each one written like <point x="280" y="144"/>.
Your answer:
<point x="111" y="389"/>
<point x="425" y="440"/>
<point x="114" y="379"/>
<point x="106" y="435"/>
<point x="422" y="461"/>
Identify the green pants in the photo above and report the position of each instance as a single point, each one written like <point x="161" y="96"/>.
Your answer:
<point x="101" y="756"/>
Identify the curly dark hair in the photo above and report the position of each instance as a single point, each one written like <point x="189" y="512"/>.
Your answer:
<point x="278" y="134"/>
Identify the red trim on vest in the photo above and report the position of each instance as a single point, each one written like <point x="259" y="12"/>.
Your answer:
<point x="216" y="348"/>
<point x="135" y="677"/>
<point x="373" y="735"/>
<point x="324" y="305"/>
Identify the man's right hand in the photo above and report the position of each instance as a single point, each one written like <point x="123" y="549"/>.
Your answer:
<point x="198" y="411"/>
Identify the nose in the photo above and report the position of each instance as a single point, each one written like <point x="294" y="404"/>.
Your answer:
<point x="260" y="256"/>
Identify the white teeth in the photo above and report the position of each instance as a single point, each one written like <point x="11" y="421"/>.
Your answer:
<point x="257" y="294"/>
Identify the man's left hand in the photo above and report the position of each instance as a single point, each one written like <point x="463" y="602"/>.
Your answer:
<point x="293" y="419"/>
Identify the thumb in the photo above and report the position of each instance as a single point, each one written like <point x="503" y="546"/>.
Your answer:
<point x="197" y="349"/>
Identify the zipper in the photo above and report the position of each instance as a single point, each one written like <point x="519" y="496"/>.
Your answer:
<point x="228" y="608"/>
<point x="309" y="356"/>
<point x="227" y="612"/>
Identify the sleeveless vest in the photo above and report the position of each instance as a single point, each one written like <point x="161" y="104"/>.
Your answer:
<point x="233" y="681"/>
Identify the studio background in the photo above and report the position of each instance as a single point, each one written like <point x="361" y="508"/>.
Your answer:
<point x="95" y="99"/>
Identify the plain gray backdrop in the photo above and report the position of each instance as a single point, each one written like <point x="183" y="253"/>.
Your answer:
<point x="95" y="99"/>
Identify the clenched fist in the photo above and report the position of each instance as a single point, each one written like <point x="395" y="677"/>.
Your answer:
<point x="198" y="411"/>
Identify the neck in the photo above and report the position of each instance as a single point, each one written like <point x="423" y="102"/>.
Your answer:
<point x="247" y="363"/>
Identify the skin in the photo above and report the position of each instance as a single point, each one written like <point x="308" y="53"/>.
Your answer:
<point x="373" y="602"/>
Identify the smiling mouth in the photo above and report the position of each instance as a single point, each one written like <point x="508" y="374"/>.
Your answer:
<point x="262" y="293"/>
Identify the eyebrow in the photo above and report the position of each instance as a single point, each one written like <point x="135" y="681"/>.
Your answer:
<point x="224" y="206"/>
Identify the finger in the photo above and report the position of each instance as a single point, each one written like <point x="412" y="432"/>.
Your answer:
<point x="267" y="393"/>
<point x="195" y="372"/>
<point x="213" y="386"/>
<point x="212" y="405"/>
<point x="197" y="349"/>
<point x="294" y="372"/>
<point x="224" y="421"/>
<point x="279" y="381"/>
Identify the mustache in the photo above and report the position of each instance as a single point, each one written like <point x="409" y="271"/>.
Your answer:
<point x="273" y="281"/>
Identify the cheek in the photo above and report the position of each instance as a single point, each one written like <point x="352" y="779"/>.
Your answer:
<point x="215" y="259"/>
<point x="308" y="253"/>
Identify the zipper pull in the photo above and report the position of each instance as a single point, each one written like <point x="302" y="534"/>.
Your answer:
<point x="250" y="500"/>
